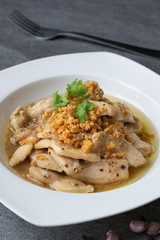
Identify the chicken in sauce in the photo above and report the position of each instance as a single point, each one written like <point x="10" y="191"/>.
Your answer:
<point x="73" y="155"/>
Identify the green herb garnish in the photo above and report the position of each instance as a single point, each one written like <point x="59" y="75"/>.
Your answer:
<point x="83" y="109"/>
<point x="78" y="89"/>
<point x="60" y="101"/>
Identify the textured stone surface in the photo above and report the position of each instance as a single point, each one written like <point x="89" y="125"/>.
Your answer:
<point x="136" y="22"/>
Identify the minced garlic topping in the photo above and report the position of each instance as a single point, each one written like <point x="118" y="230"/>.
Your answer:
<point x="67" y="129"/>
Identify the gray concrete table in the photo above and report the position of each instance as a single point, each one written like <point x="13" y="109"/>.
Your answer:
<point x="136" y="22"/>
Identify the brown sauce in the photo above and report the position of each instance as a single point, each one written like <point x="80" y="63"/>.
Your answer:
<point x="148" y="134"/>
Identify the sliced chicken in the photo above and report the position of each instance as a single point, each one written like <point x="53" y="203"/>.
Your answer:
<point x="18" y="118"/>
<point x="64" y="150"/>
<point x="135" y="158"/>
<point x="40" y="106"/>
<point x="137" y="126"/>
<point x="44" y="143"/>
<point x="104" y="108"/>
<point x="123" y="114"/>
<point x="68" y="184"/>
<point x="45" y="132"/>
<point x="21" y="133"/>
<point x="44" y="160"/>
<point x="24" y="150"/>
<point x="118" y="111"/>
<point x="20" y="155"/>
<point x="58" y="182"/>
<point x="43" y="176"/>
<point x="35" y="152"/>
<point x="143" y="147"/>
<point x="69" y="165"/>
<point x="32" y="139"/>
<point x="100" y="139"/>
<point x="104" y="172"/>
<point x="120" y="145"/>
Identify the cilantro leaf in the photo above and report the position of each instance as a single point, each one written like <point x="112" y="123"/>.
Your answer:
<point x="78" y="89"/>
<point x="90" y="106"/>
<point x="60" y="101"/>
<point x="81" y="112"/>
<point x="83" y="109"/>
<point x="83" y="90"/>
<point x="75" y="88"/>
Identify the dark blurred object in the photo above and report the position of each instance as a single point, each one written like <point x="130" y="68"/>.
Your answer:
<point x="51" y="33"/>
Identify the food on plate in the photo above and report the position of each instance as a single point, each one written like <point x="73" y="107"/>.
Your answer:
<point x="78" y="140"/>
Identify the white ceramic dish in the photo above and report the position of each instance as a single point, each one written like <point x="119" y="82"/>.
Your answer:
<point x="119" y="77"/>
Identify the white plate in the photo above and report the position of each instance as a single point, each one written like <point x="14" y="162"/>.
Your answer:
<point x="119" y="77"/>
